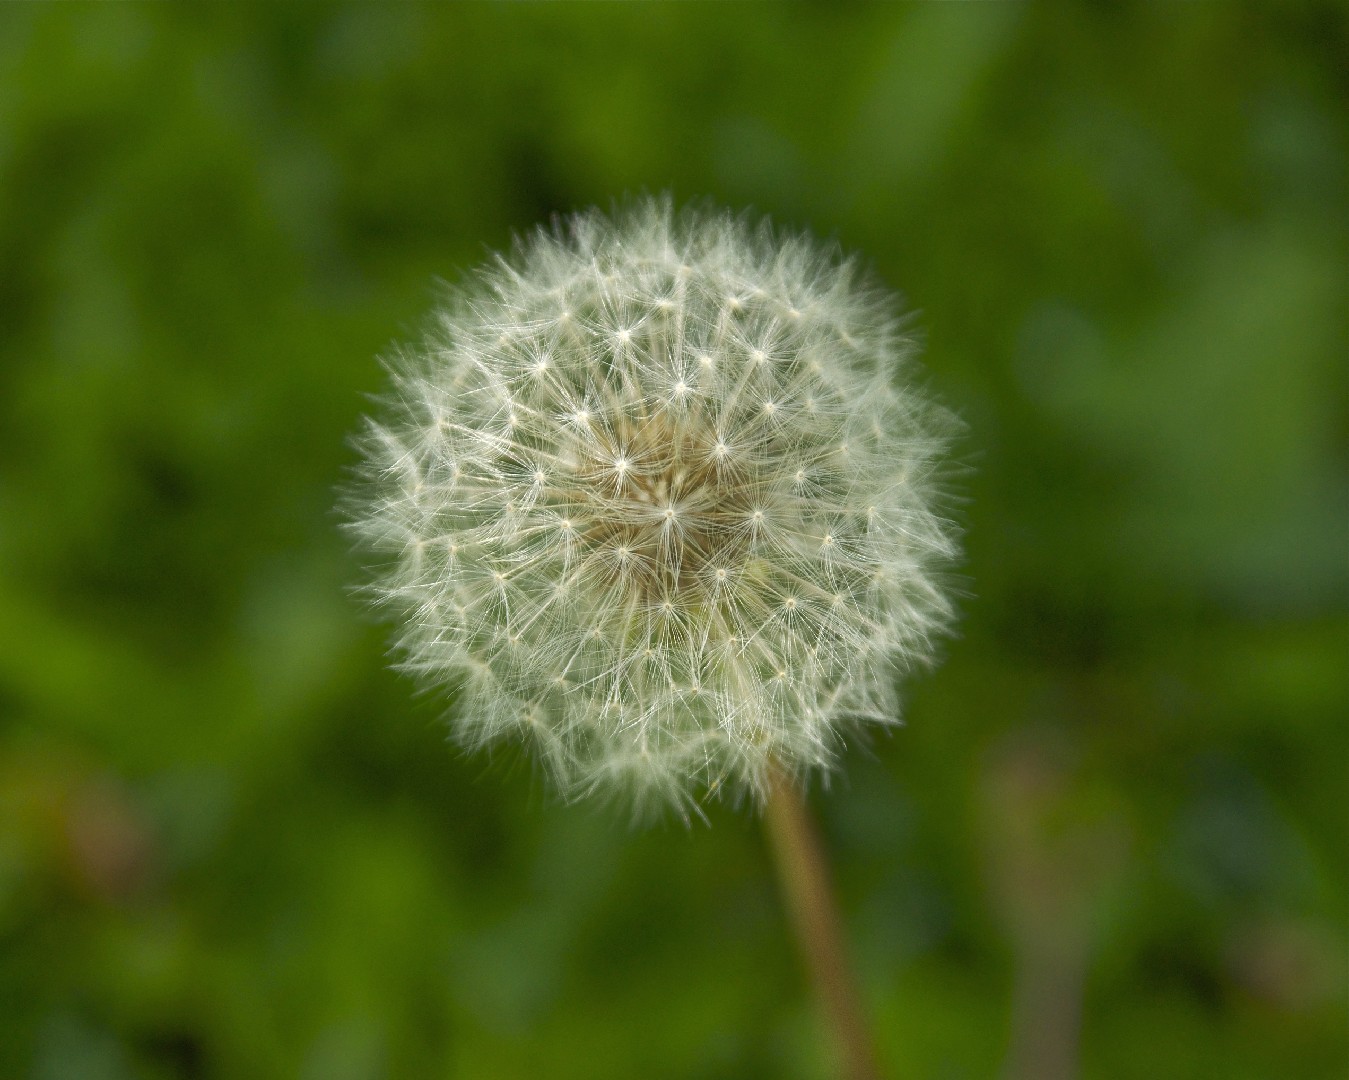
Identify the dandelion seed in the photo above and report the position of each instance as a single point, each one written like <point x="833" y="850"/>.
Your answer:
<point x="651" y="464"/>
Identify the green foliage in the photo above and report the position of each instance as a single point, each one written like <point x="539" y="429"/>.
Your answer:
<point x="232" y="844"/>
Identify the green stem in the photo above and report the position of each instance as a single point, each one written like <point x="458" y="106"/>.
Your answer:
<point x="814" y="912"/>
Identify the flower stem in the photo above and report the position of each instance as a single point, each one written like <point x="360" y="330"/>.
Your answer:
<point x="814" y="913"/>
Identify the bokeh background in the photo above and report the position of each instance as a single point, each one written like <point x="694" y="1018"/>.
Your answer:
<point x="1111" y="839"/>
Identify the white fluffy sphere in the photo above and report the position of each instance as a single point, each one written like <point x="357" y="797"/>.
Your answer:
<point x="656" y="496"/>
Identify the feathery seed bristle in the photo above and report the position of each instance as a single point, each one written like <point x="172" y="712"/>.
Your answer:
<point x="653" y="498"/>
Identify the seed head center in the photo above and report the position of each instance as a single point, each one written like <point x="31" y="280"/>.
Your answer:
<point x="663" y="509"/>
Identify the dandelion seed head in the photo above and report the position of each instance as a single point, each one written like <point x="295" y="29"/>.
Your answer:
<point x="660" y="498"/>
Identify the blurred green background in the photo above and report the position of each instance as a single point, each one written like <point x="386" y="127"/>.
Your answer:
<point x="1111" y="839"/>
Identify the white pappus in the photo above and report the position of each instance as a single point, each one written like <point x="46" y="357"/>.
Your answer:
<point x="659" y="496"/>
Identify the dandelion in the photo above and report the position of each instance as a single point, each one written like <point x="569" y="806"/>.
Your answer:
<point x="658" y="496"/>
